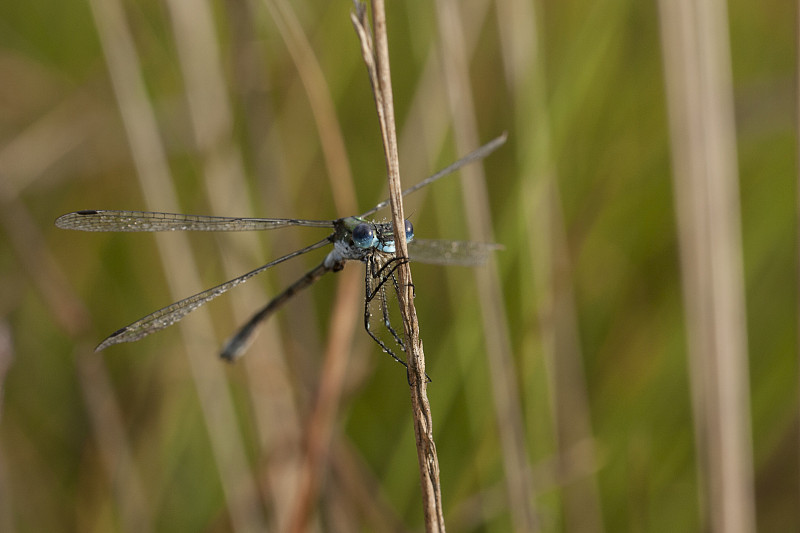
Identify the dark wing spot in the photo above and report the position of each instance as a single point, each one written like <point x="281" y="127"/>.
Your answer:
<point x="120" y="331"/>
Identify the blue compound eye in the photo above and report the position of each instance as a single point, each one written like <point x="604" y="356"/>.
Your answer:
<point x="364" y="236"/>
<point x="409" y="230"/>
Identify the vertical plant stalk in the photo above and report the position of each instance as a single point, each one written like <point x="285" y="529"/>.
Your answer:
<point x="377" y="61"/>
<point x="700" y="103"/>
<point x="320" y="425"/>
<point x="149" y="155"/>
<point x="502" y="372"/>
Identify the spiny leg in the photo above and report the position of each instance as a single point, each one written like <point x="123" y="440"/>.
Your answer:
<point x="370" y="295"/>
<point x="393" y="264"/>
<point x="373" y="272"/>
<point x="383" y="277"/>
<point x="398" y="261"/>
<point x="385" y="310"/>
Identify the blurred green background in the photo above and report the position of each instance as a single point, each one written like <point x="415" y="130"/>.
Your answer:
<point x="161" y="435"/>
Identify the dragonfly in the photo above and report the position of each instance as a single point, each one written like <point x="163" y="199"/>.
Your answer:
<point x="354" y="238"/>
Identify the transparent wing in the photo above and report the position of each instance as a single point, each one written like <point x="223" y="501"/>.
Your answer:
<point x="107" y="220"/>
<point x="480" y="153"/>
<point x="172" y="313"/>
<point x="460" y="253"/>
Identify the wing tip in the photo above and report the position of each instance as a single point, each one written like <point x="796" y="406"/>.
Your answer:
<point x="111" y="339"/>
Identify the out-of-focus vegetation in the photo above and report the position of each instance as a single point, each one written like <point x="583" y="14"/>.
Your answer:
<point x="160" y="434"/>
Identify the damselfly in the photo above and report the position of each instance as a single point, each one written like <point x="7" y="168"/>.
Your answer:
<point x="353" y="239"/>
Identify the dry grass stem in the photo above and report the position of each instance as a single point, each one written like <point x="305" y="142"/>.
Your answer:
<point x="553" y="271"/>
<point x="320" y="424"/>
<point x="376" y="58"/>
<point x="507" y="399"/>
<point x="242" y="495"/>
<point x="700" y="103"/>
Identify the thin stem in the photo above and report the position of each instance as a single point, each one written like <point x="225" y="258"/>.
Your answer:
<point x="377" y="62"/>
<point x="703" y="140"/>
